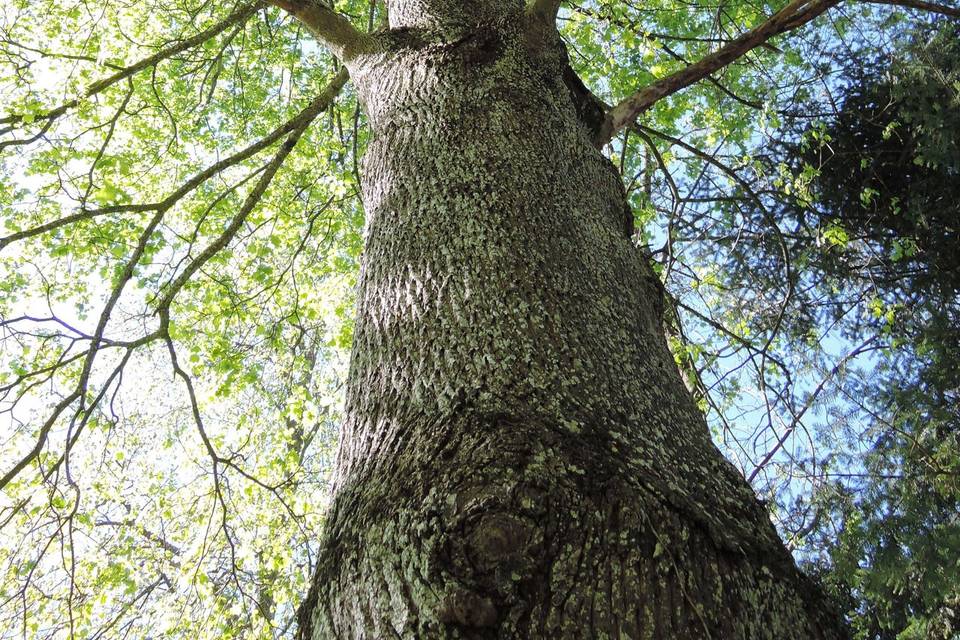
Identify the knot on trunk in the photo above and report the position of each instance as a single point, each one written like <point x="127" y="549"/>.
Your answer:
<point x="466" y="608"/>
<point x="494" y="561"/>
<point x="493" y="543"/>
<point x="482" y="45"/>
<point x="498" y="541"/>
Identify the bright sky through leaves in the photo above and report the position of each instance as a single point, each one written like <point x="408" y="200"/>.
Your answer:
<point x="181" y="236"/>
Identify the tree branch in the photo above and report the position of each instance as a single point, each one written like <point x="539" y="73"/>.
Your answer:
<point x="795" y="14"/>
<point x="921" y="5"/>
<point x="864" y="347"/>
<point x="237" y="17"/>
<point x="41" y="439"/>
<point x="332" y="29"/>
<point x="95" y="343"/>
<point x="253" y="198"/>
<point x="319" y="104"/>
<point x="299" y="125"/>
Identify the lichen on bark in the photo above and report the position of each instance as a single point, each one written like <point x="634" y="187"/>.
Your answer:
<point x="520" y="458"/>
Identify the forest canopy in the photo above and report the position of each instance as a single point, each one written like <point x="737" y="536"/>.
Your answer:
<point x="181" y="237"/>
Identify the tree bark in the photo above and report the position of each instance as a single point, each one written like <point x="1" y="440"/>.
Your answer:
<point x="520" y="458"/>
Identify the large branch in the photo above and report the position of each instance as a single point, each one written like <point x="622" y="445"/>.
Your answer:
<point x="330" y="28"/>
<point x="299" y="126"/>
<point x="795" y="14"/>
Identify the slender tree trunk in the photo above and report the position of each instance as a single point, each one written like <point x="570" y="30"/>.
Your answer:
<point x="520" y="458"/>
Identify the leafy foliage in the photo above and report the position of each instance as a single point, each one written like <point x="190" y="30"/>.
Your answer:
<point x="893" y="148"/>
<point x="870" y="197"/>
<point x="181" y="232"/>
<point x="169" y="255"/>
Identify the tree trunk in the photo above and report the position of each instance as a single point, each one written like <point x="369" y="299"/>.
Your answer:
<point x="520" y="458"/>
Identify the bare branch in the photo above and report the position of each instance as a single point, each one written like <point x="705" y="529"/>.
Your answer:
<point x="330" y="28"/>
<point x="841" y="363"/>
<point x="921" y="5"/>
<point x="795" y="14"/>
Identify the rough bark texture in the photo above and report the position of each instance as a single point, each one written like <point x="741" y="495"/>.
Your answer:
<point x="520" y="458"/>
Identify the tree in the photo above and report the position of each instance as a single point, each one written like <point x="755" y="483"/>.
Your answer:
<point x="870" y="219"/>
<point x="518" y="455"/>
<point x="885" y="178"/>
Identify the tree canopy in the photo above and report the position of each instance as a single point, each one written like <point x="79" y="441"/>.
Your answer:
<point x="181" y="233"/>
<point x="885" y="188"/>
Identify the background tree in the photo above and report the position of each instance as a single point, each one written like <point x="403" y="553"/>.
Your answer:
<point x="186" y="209"/>
<point x="879" y="228"/>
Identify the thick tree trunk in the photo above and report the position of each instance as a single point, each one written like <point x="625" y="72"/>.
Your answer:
<point x="520" y="458"/>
